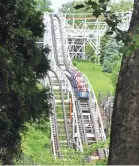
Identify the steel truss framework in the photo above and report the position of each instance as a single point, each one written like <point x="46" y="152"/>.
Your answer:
<point x="82" y="29"/>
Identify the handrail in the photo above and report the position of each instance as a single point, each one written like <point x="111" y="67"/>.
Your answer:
<point x="80" y="146"/>
<point x="70" y="64"/>
<point x="62" y="75"/>
<point x="66" y="81"/>
<point x="50" y="118"/>
<point x="52" y="136"/>
<point x="63" y="105"/>
<point x="53" y="39"/>
<point x="55" y="118"/>
<point x="97" y="108"/>
<point x="62" y="43"/>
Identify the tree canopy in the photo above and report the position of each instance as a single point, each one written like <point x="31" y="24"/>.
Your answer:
<point x="110" y="54"/>
<point x="116" y="6"/>
<point x="43" y="5"/>
<point x="121" y="6"/>
<point x="22" y="65"/>
<point x="69" y="8"/>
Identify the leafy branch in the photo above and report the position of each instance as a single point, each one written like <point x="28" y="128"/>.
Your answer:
<point x="100" y="10"/>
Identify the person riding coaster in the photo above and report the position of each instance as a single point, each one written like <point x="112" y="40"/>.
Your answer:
<point x="79" y="84"/>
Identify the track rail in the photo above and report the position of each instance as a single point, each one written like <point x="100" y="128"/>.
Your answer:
<point x="66" y="88"/>
<point x="86" y="122"/>
<point x="53" y="122"/>
<point x="87" y="109"/>
<point x="59" y="122"/>
<point x="62" y="63"/>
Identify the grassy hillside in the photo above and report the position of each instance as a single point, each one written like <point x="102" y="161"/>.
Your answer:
<point x="100" y="81"/>
<point x="36" y="144"/>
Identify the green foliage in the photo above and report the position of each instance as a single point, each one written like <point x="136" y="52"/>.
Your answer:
<point x="115" y="73"/>
<point x="22" y="64"/>
<point x="121" y="6"/>
<point x="70" y="7"/>
<point x="79" y="6"/>
<point x="36" y="145"/>
<point x="99" y="6"/>
<point x="90" y="53"/>
<point x="110" y="53"/>
<point x="111" y="57"/>
<point x="132" y="42"/>
<point x="107" y="66"/>
<point x="94" y="59"/>
<point x="88" y="150"/>
<point x="74" y="63"/>
<point x="43" y="5"/>
<point x="36" y="148"/>
<point x="101" y="162"/>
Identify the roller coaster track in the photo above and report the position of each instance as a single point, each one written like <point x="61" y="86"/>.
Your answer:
<point x="86" y="124"/>
<point x="53" y="120"/>
<point x="61" y="122"/>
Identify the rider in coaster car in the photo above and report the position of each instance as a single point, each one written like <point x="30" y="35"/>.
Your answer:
<point x="84" y="88"/>
<point x="79" y="87"/>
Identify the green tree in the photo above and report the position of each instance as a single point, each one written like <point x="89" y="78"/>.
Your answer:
<point x="110" y="53"/>
<point x="69" y="8"/>
<point x="116" y="6"/>
<point x="44" y="5"/>
<point x="22" y="65"/>
<point x="121" y="6"/>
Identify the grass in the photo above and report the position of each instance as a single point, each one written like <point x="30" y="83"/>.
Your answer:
<point x="99" y="80"/>
<point x="36" y="145"/>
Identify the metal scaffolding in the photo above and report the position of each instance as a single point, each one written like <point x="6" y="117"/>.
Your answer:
<point x="82" y="29"/>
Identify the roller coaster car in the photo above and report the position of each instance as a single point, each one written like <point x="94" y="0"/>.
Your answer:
<point x="83" y="94"/>
<point x="79" y="84"/>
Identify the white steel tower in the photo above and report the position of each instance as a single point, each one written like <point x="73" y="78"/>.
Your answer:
<point x="82" y="29"/>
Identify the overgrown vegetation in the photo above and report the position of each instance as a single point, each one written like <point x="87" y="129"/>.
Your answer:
<point x="115" y="6"/>
<point x="37" y="148"/>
